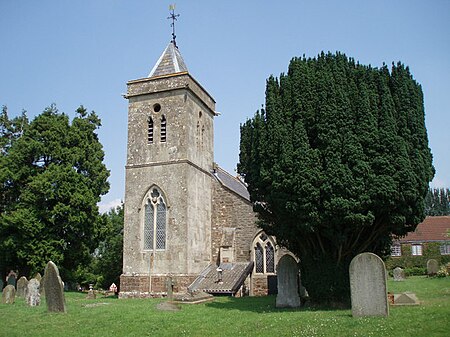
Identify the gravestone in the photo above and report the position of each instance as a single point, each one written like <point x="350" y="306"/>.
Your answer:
<point x="432" y="267"/>
<point x="368" y="286"/>
<point x="38" y="277"/>
<point x="9" y="294"/>
<point x="42" y="286"/>
<point x="91" y="294"/>
<point x="33" y="296"/>
<point x="169" y="286"/>
<point x="287" y="278"/>
<point x="11" y="278"/>
<point x="1" y="284"/>
<point x="399" y="274"/>
<point x="22" y="285"/>
<point x="54" y="291"/>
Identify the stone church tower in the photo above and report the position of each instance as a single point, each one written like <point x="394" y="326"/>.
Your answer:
<point x="189" y="225"/>
<point x="168" y="178"/>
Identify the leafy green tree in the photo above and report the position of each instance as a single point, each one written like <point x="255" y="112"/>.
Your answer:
<point x="336" y="163"/>
<point x="110" y="251"/>
<point x="105" y="266"/>
<point x="52" y="176"/>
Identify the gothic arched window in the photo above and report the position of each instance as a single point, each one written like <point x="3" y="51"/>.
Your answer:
<point x="264" y="254"/>
<point x="163" y="129"/>
<point x="150" y="131"/>
<point x="155" y="221"/>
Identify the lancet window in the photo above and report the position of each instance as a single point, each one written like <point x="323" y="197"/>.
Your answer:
<point x="155" y="221"/>
<point x="264" y="254"/>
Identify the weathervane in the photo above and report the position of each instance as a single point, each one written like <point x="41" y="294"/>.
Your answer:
<point x="173" y="16"/>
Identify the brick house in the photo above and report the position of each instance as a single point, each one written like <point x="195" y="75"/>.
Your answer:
<point x="433" y="231"/>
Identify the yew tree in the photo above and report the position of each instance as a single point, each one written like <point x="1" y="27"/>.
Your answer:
<point x="52" y="176"/>
<point x="336" y="163"/>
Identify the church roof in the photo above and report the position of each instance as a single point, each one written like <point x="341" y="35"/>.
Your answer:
<point x="232" y="183"/>
<point x="233" y="276"/>
<point x="170" y="62"/>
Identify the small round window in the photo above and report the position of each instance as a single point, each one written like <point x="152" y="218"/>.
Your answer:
<point x="156" y="107"/>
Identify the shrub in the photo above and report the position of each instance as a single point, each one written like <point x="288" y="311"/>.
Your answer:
<point x="442" y="272"/>
<point x="415" y="271"/>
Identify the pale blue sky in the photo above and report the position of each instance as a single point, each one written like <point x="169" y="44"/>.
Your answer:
<point x="83" y="52"/>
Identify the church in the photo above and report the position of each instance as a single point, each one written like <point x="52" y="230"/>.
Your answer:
<point x="188" y="225"/>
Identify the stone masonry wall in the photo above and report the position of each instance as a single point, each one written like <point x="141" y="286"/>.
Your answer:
<point x="137" y="286"/>
<point x="232" y="211"/>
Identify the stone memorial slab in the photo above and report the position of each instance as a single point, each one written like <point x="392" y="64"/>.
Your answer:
<point x="54" y="290"/>
<point x="406" y="299"/>
<point x="398" y="274"/>
<point x="368" y="286"/>
<point x="287" y="278"/>
<point x="432" y="267"/>
<point x="22" y="284"/>
<point x="9" y="294"/>
<point x="33" y="296"/>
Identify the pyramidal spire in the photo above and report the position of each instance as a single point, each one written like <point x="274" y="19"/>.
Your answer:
<point x="170" y="62"/>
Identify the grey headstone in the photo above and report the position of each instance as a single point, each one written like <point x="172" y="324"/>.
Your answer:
<point x="368" y="286"/>
<point x="42" y="286"/>
<point x="33" y="296"/>
<point x="287" y="278"/>
<point x="11" y="279"/>
<point x="9" y="294"/>
<point x="169" y="285"/>
<point x="22" y="285"/>
<point x="432" y="267"/>
<point x="398" y="274"/>
<point x="54" y="290"/>
<point x="91" y="295"/>
<point x="38" y="277"/>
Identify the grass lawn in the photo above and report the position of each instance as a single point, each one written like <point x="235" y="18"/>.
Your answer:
<point x="226" y="316"/>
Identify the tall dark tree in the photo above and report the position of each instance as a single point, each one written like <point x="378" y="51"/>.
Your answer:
<point x="52" y="176"/>
<point x="336" y="163"/>
<point x="437" y="202"/>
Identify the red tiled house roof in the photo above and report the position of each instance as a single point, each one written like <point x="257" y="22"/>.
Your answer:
<point x="433" y="228"/>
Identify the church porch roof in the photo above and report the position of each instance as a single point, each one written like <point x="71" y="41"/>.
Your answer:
<point x="233" y="276"/>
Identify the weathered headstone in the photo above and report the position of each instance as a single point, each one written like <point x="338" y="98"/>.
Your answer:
<point x="38" y="277"/>
<point x="54" y="291"/>
<point x="287" y="278"/>
<point x="432" y="267"/>
<point x="169" y="285"/>
<point x="368" y="286"/>
<point x="11" y="278"/>
<point x="9" y="294"/>
<point x="398" y="274"/>
<point x="91" y="294"/>
<point x="33" y="296"/>
<point x="22" y="284"/>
